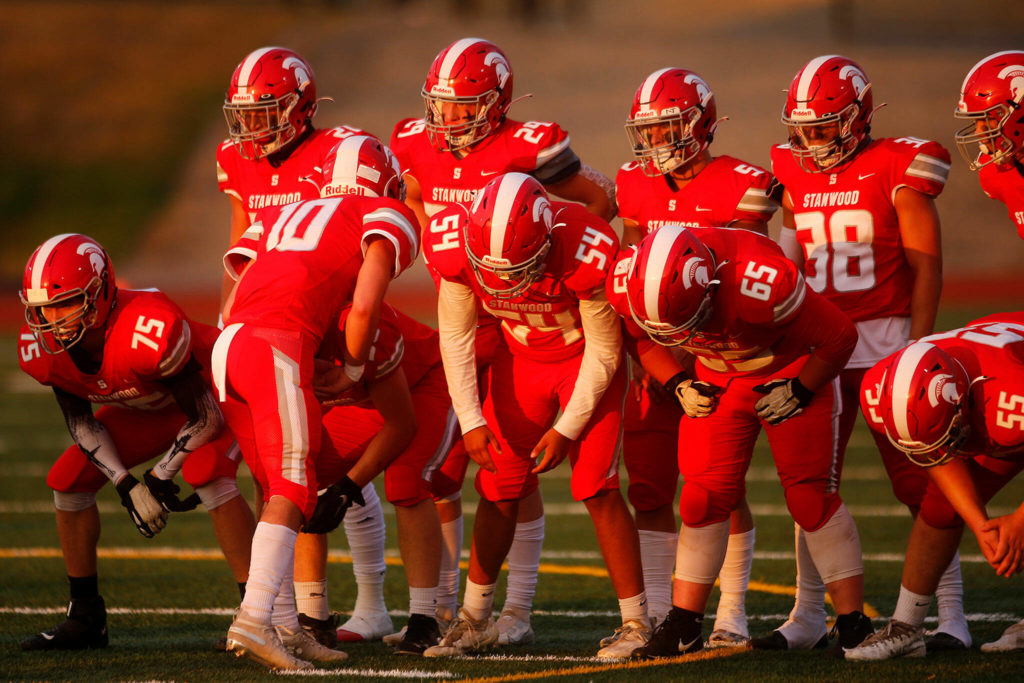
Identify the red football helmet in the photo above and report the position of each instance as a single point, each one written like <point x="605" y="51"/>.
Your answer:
<point x="923" y="403"/>
<point x="508" y="234"/>
<point x="670" y="284"/>
<point x="990" y="99"/>
<point x="66" y="271"/>
<point x="467" y="93"/>
<point x="673" y="119"/>
<point x="361" y="165"/>
<point x="828" y="111"/>
<point x="270" y="101"/>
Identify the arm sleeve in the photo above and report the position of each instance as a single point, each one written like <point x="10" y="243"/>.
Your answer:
<point x="91" y="436"/>
<point x="456" y="323"/>
<point x="202" y="426"/>
<point x="601" y="356"/>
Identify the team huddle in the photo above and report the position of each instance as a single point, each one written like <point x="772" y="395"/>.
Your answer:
<point x="671" y="344"/>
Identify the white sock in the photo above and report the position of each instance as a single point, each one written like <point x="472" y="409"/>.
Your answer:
<point x="272" y="559"/>
<point x="285" y="613"/>
<point x="733" y="581"/>
<point x="911" y="608"/>
<point x="634" y="609"/>
<point x="809" y="607"/>
<point x="478" y="602"/>
<point x="423" y="600"/>
<point x="950" y="596"/>
<point x="701" y="551"/>
<point x="451" y="553"/>
<point x="311" y="599"/>
<point x="658" y="556"/>
<point x="364" y="527"/>
<point x="524" y="564"/>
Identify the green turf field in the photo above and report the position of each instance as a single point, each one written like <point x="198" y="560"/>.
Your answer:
<point x="170" y="598"/>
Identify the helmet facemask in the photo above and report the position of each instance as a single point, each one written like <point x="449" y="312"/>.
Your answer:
<point x="939" y="452"/>
<point x="57" y="336"/>
<point x="819" y="157"/>
<point x="667" y="334"/>
<point x="258" y="129"/>
<point x="520" y="275"/>
<point x="984" y="135"/>
<point x="665" y="143"/>
<point x="447" y="137"/>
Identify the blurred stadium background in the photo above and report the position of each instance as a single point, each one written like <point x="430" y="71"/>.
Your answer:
<point x="113" y="108"/>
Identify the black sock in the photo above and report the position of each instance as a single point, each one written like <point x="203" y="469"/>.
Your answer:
<point x="241" y="589"/>
<point x="84" y="587"/>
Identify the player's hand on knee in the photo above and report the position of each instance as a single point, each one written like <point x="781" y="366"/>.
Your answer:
<point x="478" y="443"/>
<point x="697" y="398"/>
<point x="146" y="512"/>
<point x="554" y="446"/>
<point x="331" y="505"/>
<point x="166" y="493"/>
<point x="783" y="398"/>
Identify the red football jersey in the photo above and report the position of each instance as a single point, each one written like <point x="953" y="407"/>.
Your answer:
<point x="307" y="256"/>
<point x="725" y="191"/>
<point x="400" y="342"/>
<point x="261" y="183"/>
<point x="148" y="339"/>
<point x="536" y="147"/>
<point x="846" y="222"/>
<point x="761" y="293"/>
<point x="544" y="322"/>
<point x="990" y="349"/>
<point x="1006" y="184"/>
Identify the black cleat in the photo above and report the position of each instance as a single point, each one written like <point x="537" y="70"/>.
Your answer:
<point x="678" y="634"/>
<point x="324" y="631"/>
<point x="85" y="627"/>
<point x="421" y="632"/>
<point x="850" y="631"/>
<point x="944" y="642"/>
<point x="776" y="641"/>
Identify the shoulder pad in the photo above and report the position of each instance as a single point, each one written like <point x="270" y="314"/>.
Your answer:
<point x="397" y="223"/>
<point x="152" y="335"/>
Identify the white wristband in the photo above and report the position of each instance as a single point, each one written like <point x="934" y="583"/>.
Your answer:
<point x="354" y="372"/>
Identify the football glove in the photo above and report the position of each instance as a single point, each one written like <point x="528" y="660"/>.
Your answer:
<point x="166" y="493"/>
<point x="331" y="505"/>
<point x="697" y="398"/>
<point x="147" y="514"/>
<point x="783" y="398"/>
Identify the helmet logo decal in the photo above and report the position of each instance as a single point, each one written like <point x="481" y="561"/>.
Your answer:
<point x="500" y="66"/>
<point x="695" y="272"/>
<point x="299" y="67"/>
<point x="856" y="77"/>
<point x="942" y="388"/>
<point x="542" y="212"/>
<point x="703" y="89"/>
<point x="1015" y="74"/>
<point x="95" y="256"/>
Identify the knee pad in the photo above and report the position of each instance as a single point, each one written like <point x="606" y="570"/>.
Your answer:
<point x="218" y="492"/>
<point x="936" y="511"/>
<point x="404" y="487"/>
<point x="810" y="506"/>
<point x="835" y="547"/>
<point x="700" y="552"/>
<point x="699" y="507"/>
<point x="208" y="463"/>
<point x="73" y="502"/>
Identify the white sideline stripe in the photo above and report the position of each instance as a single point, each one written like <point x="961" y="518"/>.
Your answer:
<point x="371" y="673"/>
<point x="572" y="614"/>
<point x="165" y="552"/>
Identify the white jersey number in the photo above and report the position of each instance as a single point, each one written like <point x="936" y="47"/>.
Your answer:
<point x="841" y="252"/>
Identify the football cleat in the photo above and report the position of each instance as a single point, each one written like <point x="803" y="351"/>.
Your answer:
<point x="85" y="627"/>
<point x="325" y="631"/>
<point x="850" y="631"/>
<point x="514" y="627"/>
<point x="304" y="645"/>
<point x="421" y="632"/>
<point x="464" y="636"/>
<point x="1011" y="640"/>
<point x="676" y="635"/>
<point x="722" y="638"/>
<point x="393" y="639"/>
<point x="940" y="641"/>
<point x="794" y="634"/>
<point x="365" y="627"/>
<point x="260" y="643"/>
<point x="627" y="640"/>
<point x="897" y="639"/>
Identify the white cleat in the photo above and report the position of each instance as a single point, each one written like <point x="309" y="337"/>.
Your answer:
<point x="514" y="628"/>
<point x="303" y="645"/>
<point x="897" y="639"/>
<point x="1011" y="640"/>
<point x="393" y="639"/>
<point x="626" y="640"/>
<point x="465" y="636"/>
<point x="363" y="627"/>
<point x="260" y="643"/>
<point x="723" y="638"/>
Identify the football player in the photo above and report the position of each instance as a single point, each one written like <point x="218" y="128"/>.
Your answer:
<point x="138" y="356"/>
<point x="540" y="268"/>
<point x="676" y="180"/>
<point x="992" y="142"/>
<point x="315" y="258"/>
<point x="859" y="217"/>
<point x="274" y="156"/>
<point x="462" y="142"/>
<point x="952" y="403"/>
<point x="767" y="352"/>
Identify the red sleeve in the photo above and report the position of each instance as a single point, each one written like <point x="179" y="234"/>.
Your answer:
<point x="542" y="149"/>
<point x="923" y="165"/>
<point x="626" y="195"/>
<point x="405" y="132"/>
<point x="393" y="220"/>
<point x="443" y="248"/>
<point x="35" y="362"/>
<point x="227" y="175"/>
<point x="825" y="329"/>
<point x="589" y="247"/>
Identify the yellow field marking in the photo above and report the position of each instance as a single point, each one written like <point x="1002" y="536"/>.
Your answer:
<point x="203" y="554"/>
<point x="585" y="670"/>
